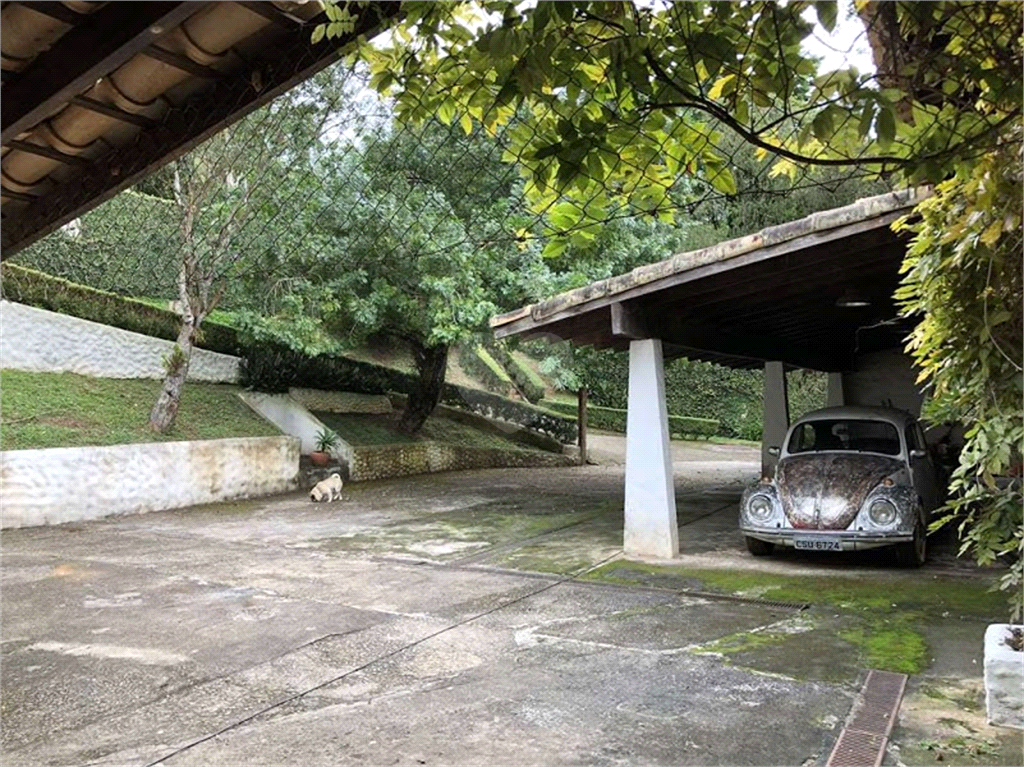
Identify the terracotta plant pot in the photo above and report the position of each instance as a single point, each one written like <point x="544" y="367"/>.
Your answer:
<point x="319" y="458"/>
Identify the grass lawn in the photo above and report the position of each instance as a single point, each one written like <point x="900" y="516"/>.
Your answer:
<point x="68" y="410"/>
<point x="363" y="430"/>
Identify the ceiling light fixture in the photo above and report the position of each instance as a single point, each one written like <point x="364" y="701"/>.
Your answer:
<point x="851" y="299"/>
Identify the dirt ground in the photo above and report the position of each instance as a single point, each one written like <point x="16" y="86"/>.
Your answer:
<point x="475" y="617"/>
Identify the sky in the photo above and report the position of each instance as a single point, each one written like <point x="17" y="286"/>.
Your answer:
<point x="846" y="46"/>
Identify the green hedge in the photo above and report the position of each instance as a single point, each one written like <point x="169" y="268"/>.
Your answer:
<point x="44" y="291"/>
<point x="275" y="368"/>
<point x="138" y="259"/>
<point x="478" y="362"/>
<point x="614" y="419"/>
<point x="732" y="397"/>
<point x="526" y="381"/>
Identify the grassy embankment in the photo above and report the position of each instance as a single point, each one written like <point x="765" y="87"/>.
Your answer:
<point x="40" y="410"/>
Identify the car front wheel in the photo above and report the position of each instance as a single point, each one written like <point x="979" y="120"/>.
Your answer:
<point x="758" y="547"/>
<point x="915" y="553"/>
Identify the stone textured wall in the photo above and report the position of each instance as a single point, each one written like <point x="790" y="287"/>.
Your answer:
<point x="341" y="401"/>
<point x="66" y="484"/>
<point x="380" y="462"/>
<point x="46" y="342"/>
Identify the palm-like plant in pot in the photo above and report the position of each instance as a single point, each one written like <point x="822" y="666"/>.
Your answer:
<point x="326" y="441"/>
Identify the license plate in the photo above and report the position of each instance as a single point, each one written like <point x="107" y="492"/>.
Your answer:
<point x="817" y="544"/>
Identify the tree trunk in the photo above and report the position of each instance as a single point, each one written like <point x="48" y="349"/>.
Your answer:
<point x="431" y="366"/>
<point x="165" y="410"/>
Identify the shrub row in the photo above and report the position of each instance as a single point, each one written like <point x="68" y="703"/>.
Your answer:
<point x="44" y="291"/>
<point x="526" y="381"/>
<point x="478" y="362"/>
<point x="614" y="419"/>
<point x="275" y="368"/>
<point x="732" y="397"/>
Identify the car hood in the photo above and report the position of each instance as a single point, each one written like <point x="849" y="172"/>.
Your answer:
<point x="824" y="491"/>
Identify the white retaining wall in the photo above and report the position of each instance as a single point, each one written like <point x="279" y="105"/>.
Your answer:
<point x="292" y="418"/>
<point x="47" y="342"/>
<point x="66" y="484"/>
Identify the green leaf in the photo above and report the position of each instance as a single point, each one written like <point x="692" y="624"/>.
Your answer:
<point x="548" y="151"/>
<point x="992" y="233"/>
<point x="866" y="118"/>
<point x="446" y="112"/>
<point x="885" y="125"/>
<point x="822" y="126"/>
<point x="542" y="15"/>
<point x="723" y="87"/>
<point x="318" y="33"/>
<point x="827" y="11"/>
<point x="555" y="248"/>
<point x="564" y="216"/>
<point x="742" y="112"/>
<point x="724" y="182"/>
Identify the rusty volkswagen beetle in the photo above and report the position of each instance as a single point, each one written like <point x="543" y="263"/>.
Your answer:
<point x="848" y="478"/>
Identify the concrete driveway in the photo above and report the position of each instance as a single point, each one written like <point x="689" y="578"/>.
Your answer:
<point x="464" y="618"/>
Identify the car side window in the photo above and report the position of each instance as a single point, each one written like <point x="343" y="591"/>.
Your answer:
<point x="803" y="438"/>
<point x="920" y="437"/>
<point x="913" y="443"/>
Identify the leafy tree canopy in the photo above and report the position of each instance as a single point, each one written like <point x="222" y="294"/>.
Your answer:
<point x="625" y="99"/>
<point x="407" y="235"/>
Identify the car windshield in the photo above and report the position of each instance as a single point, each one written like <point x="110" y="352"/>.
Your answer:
<point x="845" y="434"/>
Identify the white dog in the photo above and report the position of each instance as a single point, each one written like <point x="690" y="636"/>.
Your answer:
<point x="327" y="490"/>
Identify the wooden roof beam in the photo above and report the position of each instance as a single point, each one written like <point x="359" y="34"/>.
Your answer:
<point x="227" y="100"/>
<point x="96" y="47"/>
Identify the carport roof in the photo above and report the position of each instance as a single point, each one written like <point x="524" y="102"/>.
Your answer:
<point x="773" y="295"/>
<point x="97" y="95"/>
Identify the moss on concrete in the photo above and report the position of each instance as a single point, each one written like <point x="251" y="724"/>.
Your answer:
<point x="891" y="643"/>
<point x="454" y="534"/>
<point x="878" y="616"/>
<point x="888" y="591"/>
<point x="540" y="559"/>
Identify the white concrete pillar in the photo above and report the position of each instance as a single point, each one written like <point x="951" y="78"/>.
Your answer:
<point x="834" y="397"/>
<point x="651" y="526"/>
<point x="776" y="412"/>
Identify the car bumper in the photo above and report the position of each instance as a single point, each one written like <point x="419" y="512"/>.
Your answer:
<point x="850" y="541"/>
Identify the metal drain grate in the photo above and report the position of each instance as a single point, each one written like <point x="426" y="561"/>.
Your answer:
<point x="862" y="741"/>
<point x="881" y="697"/>
<point x="857" y="749"/>
<point x="744" y="600"/>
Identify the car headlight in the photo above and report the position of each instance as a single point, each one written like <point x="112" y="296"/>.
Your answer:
<point x="760" y="508"/>
<point x="882" y="512"/>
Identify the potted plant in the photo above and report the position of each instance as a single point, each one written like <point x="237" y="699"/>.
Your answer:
<point x="326" y="440"/>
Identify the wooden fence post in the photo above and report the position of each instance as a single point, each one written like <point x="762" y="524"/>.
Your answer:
<point x="581" y="423"/>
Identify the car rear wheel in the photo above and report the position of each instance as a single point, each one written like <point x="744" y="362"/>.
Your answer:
<point x="915" y="553"/>
<point x="758" y="547"/>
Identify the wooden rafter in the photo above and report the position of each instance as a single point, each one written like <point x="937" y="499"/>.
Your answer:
<point x="225" y="101"/>
<point x="98" y="45"/>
